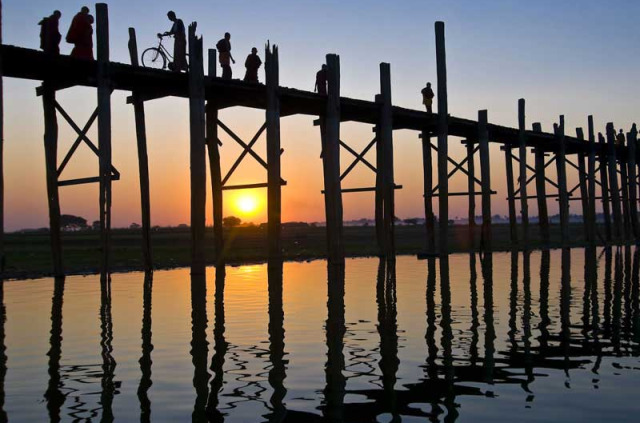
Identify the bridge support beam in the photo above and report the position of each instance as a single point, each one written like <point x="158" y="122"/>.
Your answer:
<point x="582" y="182"/>
<point x="471" y="188"/>
<point x="522" y="154"/>
<point x="427" y="172"/>
<point x="211" y="123"/>
<point x="104" y="132"/>
<point x="632" y="139"/>
<point x="591" y="188"/>
<point x="51" y="160"/>
<point x="197" y="151"/>
<point x="385" y="141"/>
<point x="614" y="188"/>
<point x="541" y="190"/>
<point x="485" y="175"/>
<point x="274" y="188"/>
<point x="513" y="229"/>
<point x="330" y="132"/>
<point x="561" y="168"/>
<point x="443" y="141"/>
<point x="604" y="180"/>
<point x="143" y="161"/>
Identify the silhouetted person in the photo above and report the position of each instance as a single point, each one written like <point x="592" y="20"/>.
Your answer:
<point x="427" y="97"/>
<point x="620" y="138"/>
<point x="225" y="57"/>
<point x="179" y="43"/>
<point x="81" y="35"/>
<point x="252" y="64"/>
<point x="50" y="33"/>
<point x="321" y="81"/>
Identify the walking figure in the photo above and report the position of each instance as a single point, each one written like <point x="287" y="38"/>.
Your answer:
<point x="252" y="64"/>
<point x="224" y="50"/>
<point x="620" y="138"/>
<point x="427" y="97"/>
<point x="179" y="43"/>
<point x="50" y="34"/>
<point x="321" y="81"/>
<point x="81" y="35"/>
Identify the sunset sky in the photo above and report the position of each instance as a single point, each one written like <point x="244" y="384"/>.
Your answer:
<point x="571" y="58"/>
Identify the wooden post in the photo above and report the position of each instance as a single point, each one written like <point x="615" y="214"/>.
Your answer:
<point x="624" y="190"/>
<point x="197" y="151"/>
<point x="614" y="189"/>
<point x="443" y="147"/>
<point x="591" y="169"/>
<point x="513" y="230"/>
<point x="379" y="193"/>
<point x="143" y="161"/>
<point x="2" y="259"/>
<point x="541" y="191"/>
<point x="582" y="182"/>
<point x="214" y="165"/>
<point x="385" y="139"/>
<point x="485" y="175"/>
<point x="104" y="131"/>
<point x="51" y="163"/>
<point x="633" y="182"/>
<point x="604" y="186"/>
<point x="471" y="188"/>
<point x="561" y="167"/>
<point x="274" y="188"/>
<point x="429" y="218"/>
<point x="522" y="153"/>
<point x="330" y="128"/>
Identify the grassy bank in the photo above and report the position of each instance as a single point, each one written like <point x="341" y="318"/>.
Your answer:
<point x="28" y="254"/>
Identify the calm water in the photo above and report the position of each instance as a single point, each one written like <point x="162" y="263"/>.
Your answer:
<point x="542" y="337"/>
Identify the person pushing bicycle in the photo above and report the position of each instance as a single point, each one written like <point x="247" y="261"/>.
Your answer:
<point x="179" y="43"/>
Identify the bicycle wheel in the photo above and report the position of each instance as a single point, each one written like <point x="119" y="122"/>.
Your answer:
<point x="154" y="58"/>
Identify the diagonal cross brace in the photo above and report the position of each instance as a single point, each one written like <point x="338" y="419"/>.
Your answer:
<point x="246" y="147"/>
<point x="359" y="157"/>
<point x="459" y="166"/>
<point x="82" y="135"/>
<point x="551" y="160"/>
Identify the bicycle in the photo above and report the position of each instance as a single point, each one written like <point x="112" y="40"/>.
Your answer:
<point x="157" y="57"/>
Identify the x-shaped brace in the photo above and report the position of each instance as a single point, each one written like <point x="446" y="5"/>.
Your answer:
<point x="547" y="164"/>
<point x="82" y="136"/>
<point x="358" y="158"/>
<point x="457" y="167"/>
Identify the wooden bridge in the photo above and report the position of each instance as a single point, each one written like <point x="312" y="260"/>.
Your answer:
<point x="600" y="163"/>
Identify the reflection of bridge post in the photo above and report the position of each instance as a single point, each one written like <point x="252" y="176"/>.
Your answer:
<point x="55" y="398"/>
<point x="3" y="354"/>
<point x="545" y="267"/>
<point x="616" y="312"/>
<point x="431" y="367"/>
<point x="447" y="338"/>
<point x="106" y="339"/>
<point x="526" y="316"/>
<point x="627" y="294"/>
<point x="490" y="334"/>
<point x="513" y="302"/>
<point x="591" y="282"/>
<point x="565" y="306"/>
<point x="335" y="327"/>
<point x="635" y="297"/>
<point x="388" y="331"/>
<point x="219" y="349"/>
<point x="608" y="258"/>
<point x="475" y="321"/>
<point x="277" y="374"/>
<point x="147" y="348"/>
<point x="199" y="345"/>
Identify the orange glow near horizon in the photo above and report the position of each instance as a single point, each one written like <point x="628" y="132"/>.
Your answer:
<point x="247" y="205"/>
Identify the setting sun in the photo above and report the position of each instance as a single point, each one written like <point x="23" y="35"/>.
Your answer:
<point x="247" y="204"/>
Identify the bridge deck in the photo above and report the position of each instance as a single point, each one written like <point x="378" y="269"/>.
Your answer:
<point x="152" y="83"/>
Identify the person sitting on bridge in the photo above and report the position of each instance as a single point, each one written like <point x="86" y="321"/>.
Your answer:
<point x="179" y="43"/>
<point x="81" y="35"/>
<point x="427" y="97"/>
<point x="321" y="81"/>
<point x="252" y="64"/>
<point x="620" y="138"/>
<point x="50" y="34"/>
<point x="225" y="59"/>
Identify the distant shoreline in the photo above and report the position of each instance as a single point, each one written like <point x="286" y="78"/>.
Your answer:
<point x="28" y="254"/>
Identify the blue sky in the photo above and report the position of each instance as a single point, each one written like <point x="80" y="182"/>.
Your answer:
<point x="572" y="58"/>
